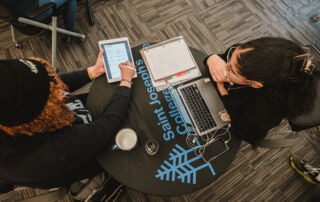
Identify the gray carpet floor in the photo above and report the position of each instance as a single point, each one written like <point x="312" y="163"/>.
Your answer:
<point x="210" y="26"/>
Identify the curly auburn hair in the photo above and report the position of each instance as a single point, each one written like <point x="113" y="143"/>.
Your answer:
<point x="55" y="114"/>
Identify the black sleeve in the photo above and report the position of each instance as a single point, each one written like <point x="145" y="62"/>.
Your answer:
<point x="88" y="140"/>
<point x="75" y="79"/>
<point x="252" y="122"/>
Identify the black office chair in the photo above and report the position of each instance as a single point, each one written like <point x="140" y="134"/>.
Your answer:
<point x="89" y="13"/>
<point x="52" y="195"/>
<point x="299" y="123"/>
<point x="27" y="25"/>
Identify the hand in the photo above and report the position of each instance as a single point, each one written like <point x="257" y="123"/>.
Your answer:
<point x="217" y="68"/>
<point x="223" y="91"/>
<point x="98" y="69"/>
<point x="126" y="73"/>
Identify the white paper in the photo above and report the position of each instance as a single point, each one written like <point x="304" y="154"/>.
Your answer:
<point x="169" y="59"/>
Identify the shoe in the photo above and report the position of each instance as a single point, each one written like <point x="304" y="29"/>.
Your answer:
<point x="70" y="39"/>
<point x="305" y="169"/>
<point x="316" y="18"/>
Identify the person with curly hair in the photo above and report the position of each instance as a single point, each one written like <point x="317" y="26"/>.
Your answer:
<point x="263" y="81"/>
<point x="47" y="136"/>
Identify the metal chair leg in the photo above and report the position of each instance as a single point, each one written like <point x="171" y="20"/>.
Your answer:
<point x="89" y="12"/>
<point x="54" y="41"/>
<point x="54" y="30"/>
<point x="14" y="39"/>
<point x="45" y="26"/>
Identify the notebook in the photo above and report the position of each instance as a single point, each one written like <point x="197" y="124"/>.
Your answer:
<point x="169" y="60"/>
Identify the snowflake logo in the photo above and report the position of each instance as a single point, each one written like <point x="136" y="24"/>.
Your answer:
<point x="180" y="166"/>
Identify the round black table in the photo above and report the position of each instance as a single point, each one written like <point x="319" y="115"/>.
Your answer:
<point x="175" y="169"/>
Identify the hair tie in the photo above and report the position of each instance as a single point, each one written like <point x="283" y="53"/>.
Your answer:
<point x="307" y="65"/>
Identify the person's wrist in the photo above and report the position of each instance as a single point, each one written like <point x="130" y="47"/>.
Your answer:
<point x="222" y="90"/>
<point x="90" y="74"/>
<point x="126" y="80"/>
<point x="126" y="83"/>
<point x="93" y="72"/>
<point x="209" y="59"/>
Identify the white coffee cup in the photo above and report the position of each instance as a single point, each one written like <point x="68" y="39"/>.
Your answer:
<point x="126" y="139"/>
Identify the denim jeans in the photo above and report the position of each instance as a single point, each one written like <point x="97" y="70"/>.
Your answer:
<point x="69" y="14"/>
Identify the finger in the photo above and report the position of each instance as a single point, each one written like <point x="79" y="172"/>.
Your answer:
<point x="121" y="65"/>
<point x="128" y="63"/>
<point x="222" y="77"/>
<point x="100" y="53"/>
<point x="214" y="77"/>
<point x="220" y="86"/>
<point x="218" y="78"/>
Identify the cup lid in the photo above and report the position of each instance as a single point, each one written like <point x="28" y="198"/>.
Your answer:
<point x="151" y="146"/>
<point x="126" y="139"/>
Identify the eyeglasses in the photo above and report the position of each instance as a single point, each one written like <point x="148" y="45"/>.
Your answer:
<point x="228" y="66"/>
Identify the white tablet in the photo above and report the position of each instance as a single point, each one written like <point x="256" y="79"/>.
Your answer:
<point x="115" y="51"/>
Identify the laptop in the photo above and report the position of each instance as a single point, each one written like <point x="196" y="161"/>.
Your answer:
<point x="200" y="106"/>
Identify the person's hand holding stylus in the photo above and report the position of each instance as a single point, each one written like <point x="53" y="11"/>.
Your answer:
<point x="127" y="73"/>
<point x="129" y="67"/>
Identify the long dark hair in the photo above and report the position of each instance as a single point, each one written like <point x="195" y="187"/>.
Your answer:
<point x="271" y="61"/>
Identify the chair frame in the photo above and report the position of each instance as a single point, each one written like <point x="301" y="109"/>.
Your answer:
<point x="52" y="27"/>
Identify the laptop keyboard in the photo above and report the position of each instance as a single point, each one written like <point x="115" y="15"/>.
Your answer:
<point x="198" y="108"/>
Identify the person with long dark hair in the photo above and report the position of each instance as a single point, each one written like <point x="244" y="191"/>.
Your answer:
<point x="263" y="81"/>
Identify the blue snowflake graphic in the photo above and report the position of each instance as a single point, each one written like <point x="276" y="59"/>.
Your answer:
<point x="180" y="166"/>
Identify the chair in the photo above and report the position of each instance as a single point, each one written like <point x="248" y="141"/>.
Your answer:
<point x="52" y="195"/>
<point x="29" y="26"/>
<point x="89" y="12"/>
<point x="299" y="123"/>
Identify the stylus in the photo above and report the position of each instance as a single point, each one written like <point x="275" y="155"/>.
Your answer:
<point x="129" y="67"/>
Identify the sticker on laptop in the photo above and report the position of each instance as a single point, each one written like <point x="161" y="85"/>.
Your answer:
<point x="224" y="115"/>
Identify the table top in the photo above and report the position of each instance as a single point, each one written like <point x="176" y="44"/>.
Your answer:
<point x="175" y="169"/>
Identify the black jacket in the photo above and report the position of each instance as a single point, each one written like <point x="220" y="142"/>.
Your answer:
<point x="44" y="157"/>
<point x="251" y="110"/>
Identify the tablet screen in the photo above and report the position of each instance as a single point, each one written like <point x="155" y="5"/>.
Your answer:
<point x="115" y="53"/>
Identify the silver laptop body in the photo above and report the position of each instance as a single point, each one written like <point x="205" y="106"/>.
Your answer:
<point x="195" y="109"/>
